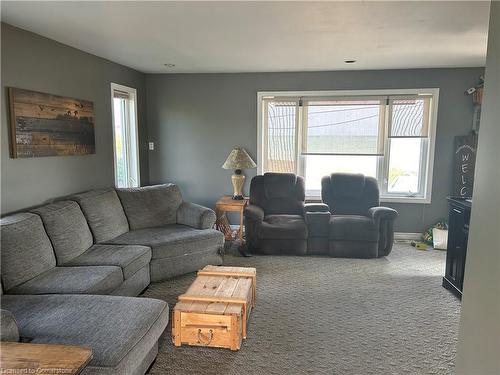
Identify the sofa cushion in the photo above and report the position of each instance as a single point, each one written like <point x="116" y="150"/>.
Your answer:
<point x="120" y="330"/>
<point x="283" y="227"/>
<point x="353" y="228"/>
<point x="104" y="213"/>
<point x="73" y="280"/>
<point x="151" y="206"/>
<point x="67" y="229"/>
<point x="26" y="250"/>
<point x="172" y="240"/>
<point x="130" y="258"/>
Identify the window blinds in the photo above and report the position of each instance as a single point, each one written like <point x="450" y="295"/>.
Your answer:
<point x="118" y="94"/>
<point x="409" y="117"/>
<point x="349" y="126"/>
<point x="280" y="132"/>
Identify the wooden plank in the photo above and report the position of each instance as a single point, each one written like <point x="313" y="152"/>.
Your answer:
<point x="43" y="358"/>
<point x="245" y="270"/>
<point x="242" y="292"/>
<point x="40" y="98"/>
<point x="12" y="123"/>
<point x="176" y="328"/>
<point x="194" y="319"/>
<point x="215" y="299"/>
<point x="222" y="273"/>
<point x="45" y="111"/>
<point x="237" y="271"/>
<point x="236" y="332"/>
<point x="202" y="286"/>
<point x="225" y="294"/>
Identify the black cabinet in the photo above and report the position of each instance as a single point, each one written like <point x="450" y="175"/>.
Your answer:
<point x="458" y="234"/>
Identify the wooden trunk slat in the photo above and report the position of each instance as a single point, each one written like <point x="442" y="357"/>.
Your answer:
<point x="192" y="319"/>
<point x="241" y="291"/>
<point x="197" y="288"/>
<point x="246" y="270"/>
<point x="227" y="289"/>
<point x="208" y="286"/>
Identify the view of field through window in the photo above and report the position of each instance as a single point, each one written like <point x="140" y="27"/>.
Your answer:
<point x="347" y="136"/>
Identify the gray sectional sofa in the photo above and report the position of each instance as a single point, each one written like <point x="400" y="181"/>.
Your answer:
<point x="71" y="268"/>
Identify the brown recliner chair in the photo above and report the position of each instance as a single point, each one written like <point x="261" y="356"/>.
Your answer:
<point x="275" y="217"/>
<point x="358" y="227"/>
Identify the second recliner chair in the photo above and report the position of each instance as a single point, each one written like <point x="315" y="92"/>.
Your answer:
<point x="358" y="226"/>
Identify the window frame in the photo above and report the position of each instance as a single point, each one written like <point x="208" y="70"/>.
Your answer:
<point x="382" y="162"/>
<point x="133" y="97"/>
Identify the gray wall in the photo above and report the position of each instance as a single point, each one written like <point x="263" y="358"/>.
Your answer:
<point x="33" y="62"/>
<point x="479" y="338"/>
<point x="196" y="119"/>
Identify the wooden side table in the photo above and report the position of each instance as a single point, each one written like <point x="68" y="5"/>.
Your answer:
<point x="29" y="358"/>
<point x="228" y="204"/>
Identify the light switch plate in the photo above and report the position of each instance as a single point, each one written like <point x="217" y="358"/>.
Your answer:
<point x="151" y="146"/>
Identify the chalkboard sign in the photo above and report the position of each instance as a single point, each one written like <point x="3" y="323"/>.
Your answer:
<point x="465" y="160"/>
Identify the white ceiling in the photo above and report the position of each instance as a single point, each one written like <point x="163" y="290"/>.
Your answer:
<point x="264" y="36"/>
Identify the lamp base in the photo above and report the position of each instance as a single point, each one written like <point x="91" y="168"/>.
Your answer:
<point x="238" y="180"/>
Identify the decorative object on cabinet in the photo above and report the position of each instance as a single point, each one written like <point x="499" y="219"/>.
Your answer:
<point x="458" y="234"/>
<point x="238" y="159"/>
<point x="477" y="99"/>
<point x="49" y="125"/>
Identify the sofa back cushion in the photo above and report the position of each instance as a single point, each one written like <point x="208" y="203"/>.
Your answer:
<point x="151" y="206"/>
<point x="67" y="229"/>
<point x="26" y="250"/>
<point x="104" y="213"/>
<point x="278" y="193"/>
<point x="349" y="194"/>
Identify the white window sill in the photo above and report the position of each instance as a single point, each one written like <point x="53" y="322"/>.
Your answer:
<point x="414" y="200"/>
<point x="419" y="200"/>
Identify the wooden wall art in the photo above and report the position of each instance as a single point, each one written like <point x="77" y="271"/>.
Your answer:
<point x="49" y="125"/>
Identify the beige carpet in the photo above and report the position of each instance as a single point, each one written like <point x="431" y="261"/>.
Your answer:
<point x="317" y="315"/>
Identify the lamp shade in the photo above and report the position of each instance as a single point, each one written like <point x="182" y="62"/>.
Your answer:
<point x="238" y="159"/>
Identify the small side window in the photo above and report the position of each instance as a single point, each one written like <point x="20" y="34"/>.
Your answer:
<point x="125" y="136"/>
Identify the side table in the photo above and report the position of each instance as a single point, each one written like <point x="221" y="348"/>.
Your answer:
<point x="228" y="204"/>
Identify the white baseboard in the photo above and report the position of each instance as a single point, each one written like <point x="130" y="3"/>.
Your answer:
<point x="407" y="236"/>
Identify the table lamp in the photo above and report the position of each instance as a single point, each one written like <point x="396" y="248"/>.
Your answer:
<point x="238" y="159"/>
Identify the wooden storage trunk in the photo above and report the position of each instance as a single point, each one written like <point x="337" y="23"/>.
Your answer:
<point x="215" y="309"/>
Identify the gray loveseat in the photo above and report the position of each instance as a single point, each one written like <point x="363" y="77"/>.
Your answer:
<point x="348" y="223"/>
<point x="70" y="270"/>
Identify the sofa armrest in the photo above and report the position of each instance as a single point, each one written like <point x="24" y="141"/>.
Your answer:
<point x="382" y="213"/>
<point x="254" y="213"/>
<point x="8" y="327"/>
<point x="196" y="216"/>
<point x="318" y="223"/>
<point x="317" y="207"/>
